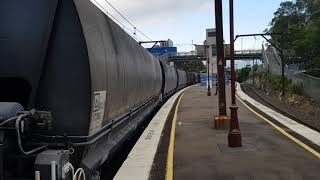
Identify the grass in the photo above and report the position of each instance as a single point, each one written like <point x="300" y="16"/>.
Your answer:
<point x="275" y="82"/>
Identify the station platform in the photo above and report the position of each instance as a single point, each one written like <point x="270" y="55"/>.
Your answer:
<point x="189" y="146"/>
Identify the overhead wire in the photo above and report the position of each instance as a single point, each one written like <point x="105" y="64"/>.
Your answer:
<point x="128" y="30"/>
<point x="126" y="19"/>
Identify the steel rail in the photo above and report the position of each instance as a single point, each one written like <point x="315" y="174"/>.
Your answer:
<point x="281" y="111"/>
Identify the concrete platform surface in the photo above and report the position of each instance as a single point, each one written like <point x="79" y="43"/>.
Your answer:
<point x="298" y="128"/>
<point x="201" y="152"/>
<point x="140" y="159"/>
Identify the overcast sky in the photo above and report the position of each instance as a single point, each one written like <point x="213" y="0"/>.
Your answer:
<point x="185" y="21"/>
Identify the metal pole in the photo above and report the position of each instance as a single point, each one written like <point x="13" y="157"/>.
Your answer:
<point x="253" y="72"/>
<point x="208" y="64"/>
<point x="282" y="72"/>
<point x="234" y="136"/>
<point x="220" y="58"/>
<point x="212" y="74"/>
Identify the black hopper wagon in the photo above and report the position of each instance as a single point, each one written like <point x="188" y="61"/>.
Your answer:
<point x="73" y="87"/>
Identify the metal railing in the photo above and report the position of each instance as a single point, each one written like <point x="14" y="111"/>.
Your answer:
<point x="248" y="51"/>
<point x="192" y="53"/>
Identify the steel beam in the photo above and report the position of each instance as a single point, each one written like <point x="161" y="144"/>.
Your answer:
<point x="261" y="34"/>
<point x="155" y="42"/>
<point x="277" y="48"/>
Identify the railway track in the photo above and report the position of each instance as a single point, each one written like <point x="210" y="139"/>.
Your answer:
<point x="272" y="106"/>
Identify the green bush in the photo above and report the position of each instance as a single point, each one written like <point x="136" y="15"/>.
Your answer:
<point x="295" y="88"/>
<point x="242" y="74"/>
<point x="275" y="82"/>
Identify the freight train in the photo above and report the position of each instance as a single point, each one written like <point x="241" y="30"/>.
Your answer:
<point x="74" y="86"/>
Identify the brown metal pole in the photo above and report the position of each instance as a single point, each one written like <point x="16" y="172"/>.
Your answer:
<point x="234" y="136"/>
<point x="220" y="58"/>
<point x="208" y="64"/>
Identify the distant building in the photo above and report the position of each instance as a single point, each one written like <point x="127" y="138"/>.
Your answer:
<point x="168" y="43"/>
<point x="164" y="48"/>
<point x="200" y="50"/>
<point x="211" y="52"/>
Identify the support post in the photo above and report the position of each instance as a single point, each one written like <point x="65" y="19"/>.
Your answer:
<point x="234" y="136"/>
<point x="253" y="72"/>
<point x="282" y="72"/>
<point x="220" y="58"/>
<point x="208" y="76"/>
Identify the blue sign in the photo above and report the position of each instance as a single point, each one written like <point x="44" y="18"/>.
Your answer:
<point x="204" y="79"/>
<point x="162" y="50"/>
<point x="212" y="79"/>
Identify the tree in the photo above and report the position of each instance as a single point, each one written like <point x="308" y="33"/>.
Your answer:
<point x="190" y="66"/>
<point x="300" y="21"/>
<point x="243" y="74"/>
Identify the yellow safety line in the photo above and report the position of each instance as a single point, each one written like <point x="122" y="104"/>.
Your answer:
<point x="169" y="168"/>
<point x="306" y="147"/>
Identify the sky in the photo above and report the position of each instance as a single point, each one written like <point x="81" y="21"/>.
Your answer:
<point x="185" y="21"/>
